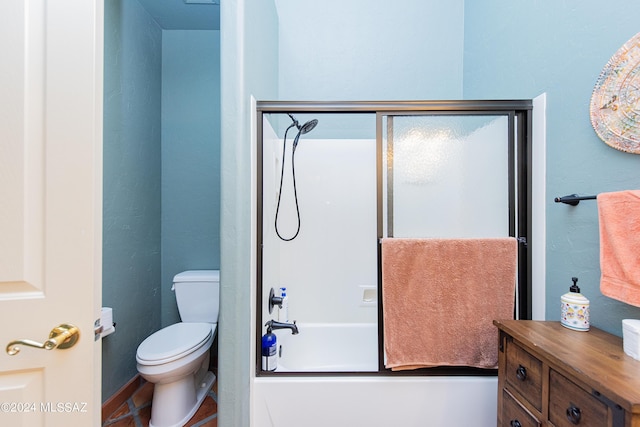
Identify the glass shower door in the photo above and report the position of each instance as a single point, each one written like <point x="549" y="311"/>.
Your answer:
<point x="365" y="172"/>
<point x="318" y="240"/>
<point x="448" y="176"/>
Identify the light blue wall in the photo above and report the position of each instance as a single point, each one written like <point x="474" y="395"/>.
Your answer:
<point x="370" y="50"/>
<point x="521" y="49"/>
<point x="249" y="47"/>
<point x="131" y="217"/>
<point x="190" y="157"/>
<point x="161" y="174"/>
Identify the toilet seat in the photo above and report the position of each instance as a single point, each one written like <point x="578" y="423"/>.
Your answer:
<point x="173" y="342"/>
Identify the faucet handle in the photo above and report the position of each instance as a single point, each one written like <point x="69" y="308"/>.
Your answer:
<point x="274" y="300"/>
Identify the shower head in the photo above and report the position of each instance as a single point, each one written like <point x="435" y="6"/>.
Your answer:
<point x="305" y="128"/>
<point x="308" y="127"/>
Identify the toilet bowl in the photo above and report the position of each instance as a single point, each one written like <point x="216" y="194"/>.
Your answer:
<point x="176" y="358"/>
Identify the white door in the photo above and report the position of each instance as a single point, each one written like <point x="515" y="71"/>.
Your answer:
<point x="50" y="208"/>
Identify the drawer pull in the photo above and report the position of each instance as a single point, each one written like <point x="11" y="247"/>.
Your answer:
<point x="574" y="414"/>
<point x="515" y="423"/>
<point x="521" y="373"/>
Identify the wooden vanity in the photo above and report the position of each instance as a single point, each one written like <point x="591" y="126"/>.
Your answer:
<point x="549" y="375"/>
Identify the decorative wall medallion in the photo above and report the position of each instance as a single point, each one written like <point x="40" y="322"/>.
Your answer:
<point x="615" y="102"/>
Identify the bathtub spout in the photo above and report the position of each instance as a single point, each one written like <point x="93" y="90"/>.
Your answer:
<point x="272" y="324"/>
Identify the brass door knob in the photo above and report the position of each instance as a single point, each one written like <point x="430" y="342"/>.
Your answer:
<point x="62" y="336"/>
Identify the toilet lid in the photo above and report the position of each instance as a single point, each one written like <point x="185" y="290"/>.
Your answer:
<point x="174" y="341"/>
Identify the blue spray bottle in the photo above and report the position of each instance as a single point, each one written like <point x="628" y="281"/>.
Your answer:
<point x="269" y="350"/>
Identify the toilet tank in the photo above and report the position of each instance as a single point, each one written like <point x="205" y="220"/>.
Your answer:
<point x="198" y="295"/>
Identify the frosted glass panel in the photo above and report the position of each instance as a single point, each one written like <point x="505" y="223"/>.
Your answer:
<point x="448" y="176"/>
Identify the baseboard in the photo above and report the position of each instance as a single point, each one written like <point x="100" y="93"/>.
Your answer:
<point x="119" y="397"/>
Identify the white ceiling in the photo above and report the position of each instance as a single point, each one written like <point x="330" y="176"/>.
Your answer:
<point x="178" y="15"/>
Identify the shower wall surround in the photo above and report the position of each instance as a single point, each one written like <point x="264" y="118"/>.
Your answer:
<point x="334" y="257"/>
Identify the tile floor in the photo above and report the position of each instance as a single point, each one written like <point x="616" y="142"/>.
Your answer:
<point x="136" y="411"/>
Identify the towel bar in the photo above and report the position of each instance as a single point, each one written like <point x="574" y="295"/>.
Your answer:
<point x="573" y="199"/>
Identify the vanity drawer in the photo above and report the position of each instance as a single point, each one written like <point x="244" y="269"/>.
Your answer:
<point x="515" y="415"/>
<point x="523" y="373"/>
<point x="570" y="405"/>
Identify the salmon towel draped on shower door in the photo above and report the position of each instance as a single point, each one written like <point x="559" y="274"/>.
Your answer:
<point x="440" y="297"/>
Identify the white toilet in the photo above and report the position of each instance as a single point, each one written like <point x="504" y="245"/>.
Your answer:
<point x="176" y="358"/>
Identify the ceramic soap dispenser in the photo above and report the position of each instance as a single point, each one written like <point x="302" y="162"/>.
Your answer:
<point x="575" y="309"/>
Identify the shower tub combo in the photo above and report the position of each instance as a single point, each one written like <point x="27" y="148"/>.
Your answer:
<point x="324" y="201"/>
<point x="338" y="397"/>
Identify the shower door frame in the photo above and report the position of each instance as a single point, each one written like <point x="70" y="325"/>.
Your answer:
<point x="519" y="113"/>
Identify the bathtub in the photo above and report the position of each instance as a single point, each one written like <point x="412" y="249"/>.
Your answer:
<point x="364" y="400"/>
<point x="329" y="347"/>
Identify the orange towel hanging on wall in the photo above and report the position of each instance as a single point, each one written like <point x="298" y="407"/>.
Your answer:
<point x="619" y="220"/>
